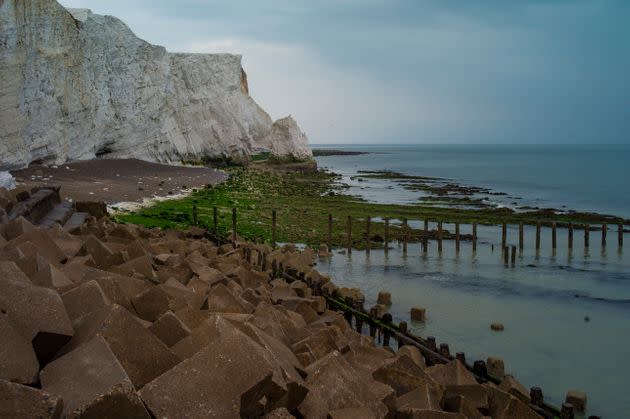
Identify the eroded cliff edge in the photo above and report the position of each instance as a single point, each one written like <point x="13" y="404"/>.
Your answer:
<point x="76" y="85"/>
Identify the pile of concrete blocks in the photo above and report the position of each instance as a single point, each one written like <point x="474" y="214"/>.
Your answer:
<point x="114" y="320"/>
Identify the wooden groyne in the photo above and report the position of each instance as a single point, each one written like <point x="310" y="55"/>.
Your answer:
<point x="463" y="233"/>
<point x="391" y="334"/>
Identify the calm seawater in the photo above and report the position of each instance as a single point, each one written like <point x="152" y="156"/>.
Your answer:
<point x="544" y="300"/>
<point x="579" y="177"/>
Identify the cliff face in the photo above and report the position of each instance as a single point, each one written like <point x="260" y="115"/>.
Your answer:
<point x="75" y="85"/>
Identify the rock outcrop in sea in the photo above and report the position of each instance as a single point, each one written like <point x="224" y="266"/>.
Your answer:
<point x="76" y="85"/>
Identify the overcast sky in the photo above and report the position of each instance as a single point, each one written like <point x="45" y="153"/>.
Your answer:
<point x="415" y="71"/>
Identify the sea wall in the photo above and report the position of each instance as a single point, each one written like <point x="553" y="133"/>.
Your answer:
<point x="76" y="85"/>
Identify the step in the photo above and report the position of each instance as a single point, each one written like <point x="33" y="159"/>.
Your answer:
<point x="59" y="215"/>
<point x="75" y="222"/>
<point x="37" y="206"/>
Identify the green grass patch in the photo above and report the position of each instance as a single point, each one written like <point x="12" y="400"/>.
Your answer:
<point x="303" y="202"/>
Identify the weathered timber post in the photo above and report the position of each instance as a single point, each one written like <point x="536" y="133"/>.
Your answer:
<point x="425" y="238"/>
<point x="506" y="255"/>
<point x="359" y="324"/>
<point x="570" y="235"/>
<point x="367" y="234"/>
<point x="234" y="226"/>
<point x="387" y="319"/>
<point x="386" y="238"/>
<point x="503" y="234"/>
<point x="402" y="328"/>
<point x="431" y="343"/>
<point x="620" y="234"/>
<point x="457" y="238"/>
<point x="440" y="236"/>
<point x="513" y="256"/>
<point x="566" y="412"/>
<point x="274" y="226"/>
<point x="445" y="350"/>
<point x="554" y="235"/>
<point x="480" y="368"/>
<point x="330" y="229"/>
<point x="521" y="236"/>
<point x="536" y="396"/>
<point x="194" y="214"/>
<point x="371" y="323"/>
<point x="461" y="357"/>
<point x="474" y="237"/>
<point x="538" y="235"/>
<point x="405" y="232"/>
<point x="587" y="235"/>
<point x="349" y="234"/>
<point x="604" y="231"/>
<point x="215" y="216"/>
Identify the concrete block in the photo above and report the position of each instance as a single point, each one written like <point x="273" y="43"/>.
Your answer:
<point x="92" y="383"/>
<point x="19" y="401"/>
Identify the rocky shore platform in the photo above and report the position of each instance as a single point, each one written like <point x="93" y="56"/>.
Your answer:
<point x="115" y="180"/>
<point x="100" y="319"/>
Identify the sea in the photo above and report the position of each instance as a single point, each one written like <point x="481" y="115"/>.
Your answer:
<point x="566" y="311"/>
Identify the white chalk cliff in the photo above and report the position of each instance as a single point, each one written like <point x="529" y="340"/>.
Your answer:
<point x="75" y="85"/>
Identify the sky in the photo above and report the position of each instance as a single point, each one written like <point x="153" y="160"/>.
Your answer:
<point x="415" y="71"/>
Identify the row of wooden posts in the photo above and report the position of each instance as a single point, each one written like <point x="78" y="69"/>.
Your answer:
<point x="400" y="334"/>
<point x="387" y="329"/>
<point x="405" y="236"/>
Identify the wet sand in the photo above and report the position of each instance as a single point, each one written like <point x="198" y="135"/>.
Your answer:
<point x="117" y="180"/>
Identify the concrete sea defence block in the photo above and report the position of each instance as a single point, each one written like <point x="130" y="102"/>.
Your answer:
<point x="84" y="300"/>
<point x="36" y="313"/>
<point x="92" y="383"/>
<point x="19" y="401"/>
<point x="142" y="355"/>
<point x="169" y="329"/>
<point x="18" y="362"/>
<point x="333" y="384"/>
<point x="198" y="386"/>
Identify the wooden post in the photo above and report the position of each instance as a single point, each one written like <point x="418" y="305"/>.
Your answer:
<point x="402" y="328"/>
<point x="538" y="235"/>
<point x="503" y="234"/>
<point x="234" y="226"/>
<point x="554" y="235"/>
<point x="474" y="237"/>
<point x="620" y="234"/>
<point x="604" y="231"/>
<point x="536" y="396"/>
<point x="405" y="232"/>
<point x="506" y="255"/>
<point x="349" y="234"/>
<point x="194" y="214"/>
<point x="368" y="233"/>
<point x="587" y="235"/>
<point x="521" y="236"/>
<point x="425" y="239"/>
<point x="457" y="238"/>
<point x="274" y="226"/>
<point x="215" y="216"/>
<point x="570" y="235"/>
<point x="461" y="357"/>
<point x="386" y="235"/>
<point x="440" y="236"/>
<point x="330" y="229"/>
<point x="513" y="256"/>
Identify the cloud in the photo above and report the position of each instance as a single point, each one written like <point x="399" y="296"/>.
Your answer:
<point x="415" y="70"/>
